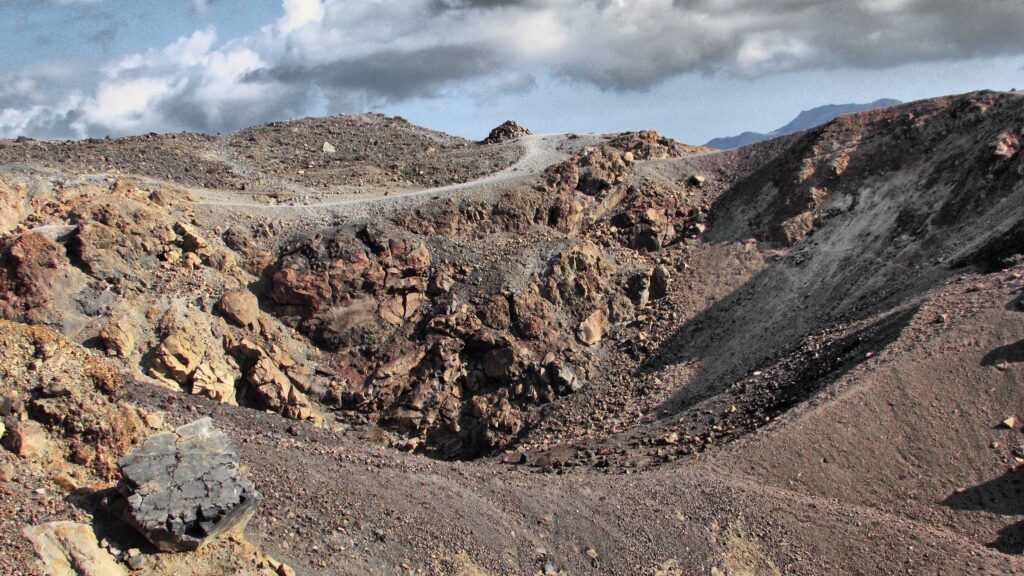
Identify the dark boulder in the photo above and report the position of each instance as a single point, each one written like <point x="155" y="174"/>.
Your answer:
<point x="183" y="488"/>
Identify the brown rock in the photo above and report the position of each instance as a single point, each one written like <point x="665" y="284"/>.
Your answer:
<point x="241" y="307"/>
<point x="176" y="358"/>
<point x="593" y="328"/>
<point x="155" y="420"/>
<point x="12" y="206"/>
<point x="392" y="309"/>
<point x="275" y="391"/>
<point x="495" y="313"/>
<point x="118" y="337"/>
<point x="71" y="549"/>
<point x="532" y="315"/>
<point x="215" y="378"/>
<point x="28" y="439"/>
<point x="191" y="241"/>
<point x="660" y="279"/>
<point x="498" y="363"/>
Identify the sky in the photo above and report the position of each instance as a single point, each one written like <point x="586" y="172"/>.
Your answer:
<point x="691" y="69"/>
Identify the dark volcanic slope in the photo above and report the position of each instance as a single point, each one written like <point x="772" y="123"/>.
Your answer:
<point x="790" y="358"/>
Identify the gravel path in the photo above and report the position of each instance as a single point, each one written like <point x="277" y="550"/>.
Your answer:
<point x="539" y="152"/>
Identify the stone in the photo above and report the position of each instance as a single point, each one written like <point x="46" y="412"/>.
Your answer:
<point x="7" y="470"/>
<point x="1009" y="422"/>
<point x="640" y="289"/>
<point x="275" y="391"/>
<point x="28" y="439"/>
<point x="660" y="278"/>
<point x="669" y="439"/>
<point x="215" y="378"/>
<point x="697" y="180"/>
<point x="192" y="261"/>
<point x="118" y="337"/>
<point x="328" y="148"/>
<point x="71" y="549"/>
<point x="392" y="309"/>
<point x="592" y="329"/>
<point x="440" y="283"/>
<point x="155" y="420"/>
<point x="191" y="241"/>
<point x="495" y="313"/>
<point x="620" y="309"/>
<point x="498" y="363"/>
<point x="176" y="358"/>
<point x="567" y="379"/>
<point x="241" y="307"/>
<point x="184" y="488"/>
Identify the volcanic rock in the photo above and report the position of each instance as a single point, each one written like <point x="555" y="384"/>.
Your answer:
<point x="176" y="358"/>
<point x="28" y="439"/>
<point x="71" y="549"/>
<point x="275" y="391"/>
<point x="215" y="378"/>
<point x="593" y="328"/>
<point x="118" y="337"/>
<point x="508" y="130"/>
<point x="181" y="489"/>
<point x="241" y="307"/>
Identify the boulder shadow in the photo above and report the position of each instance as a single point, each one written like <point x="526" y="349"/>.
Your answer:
<point x="1011" y="353"/>
<point x="1003" y="496"/>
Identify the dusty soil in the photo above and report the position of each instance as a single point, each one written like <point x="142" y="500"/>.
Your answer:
<point x="597" y="354"/>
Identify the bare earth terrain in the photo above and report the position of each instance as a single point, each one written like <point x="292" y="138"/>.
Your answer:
<point x="542" y="354"/>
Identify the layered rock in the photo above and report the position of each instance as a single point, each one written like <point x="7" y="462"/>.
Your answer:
<point x="184" y="488"/>
<point x="71" y="549"/>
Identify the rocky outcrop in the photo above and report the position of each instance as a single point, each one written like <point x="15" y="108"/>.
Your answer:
<point x="508" y="130"/>
<point x="351" y="289"/>
<point x="215" y="378"/>
<point x="40" y="283"/>
<point x="181" y="489"/>
<point x="590" y="185"/>
<point x="71" y="549"/>
<point x="177" y="357"/>
<point x="118" y="337"/>
<point x="61" y="403"/>
<point x="12" y="205"/>
<point x="275" y="390"/>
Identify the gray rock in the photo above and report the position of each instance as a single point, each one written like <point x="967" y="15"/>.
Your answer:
<point x="660" y="279"/>
<point x="182" y="488"/>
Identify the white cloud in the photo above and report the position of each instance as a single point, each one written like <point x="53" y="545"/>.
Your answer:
<point x="352" y="51"/>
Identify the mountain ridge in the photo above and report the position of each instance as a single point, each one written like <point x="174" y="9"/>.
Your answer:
<point x="804" y="120"/>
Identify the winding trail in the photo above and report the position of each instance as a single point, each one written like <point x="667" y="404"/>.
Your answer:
<point x="539" y="152"/>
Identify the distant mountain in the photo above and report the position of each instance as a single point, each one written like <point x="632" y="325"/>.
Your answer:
<point x="803" y="121"/>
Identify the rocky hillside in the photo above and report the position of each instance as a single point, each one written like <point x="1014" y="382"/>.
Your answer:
<point x="797" y="357"/>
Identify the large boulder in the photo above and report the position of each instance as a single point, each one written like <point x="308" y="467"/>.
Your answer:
<point x="241" y="307"/>
<point x="184" y="488"/>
